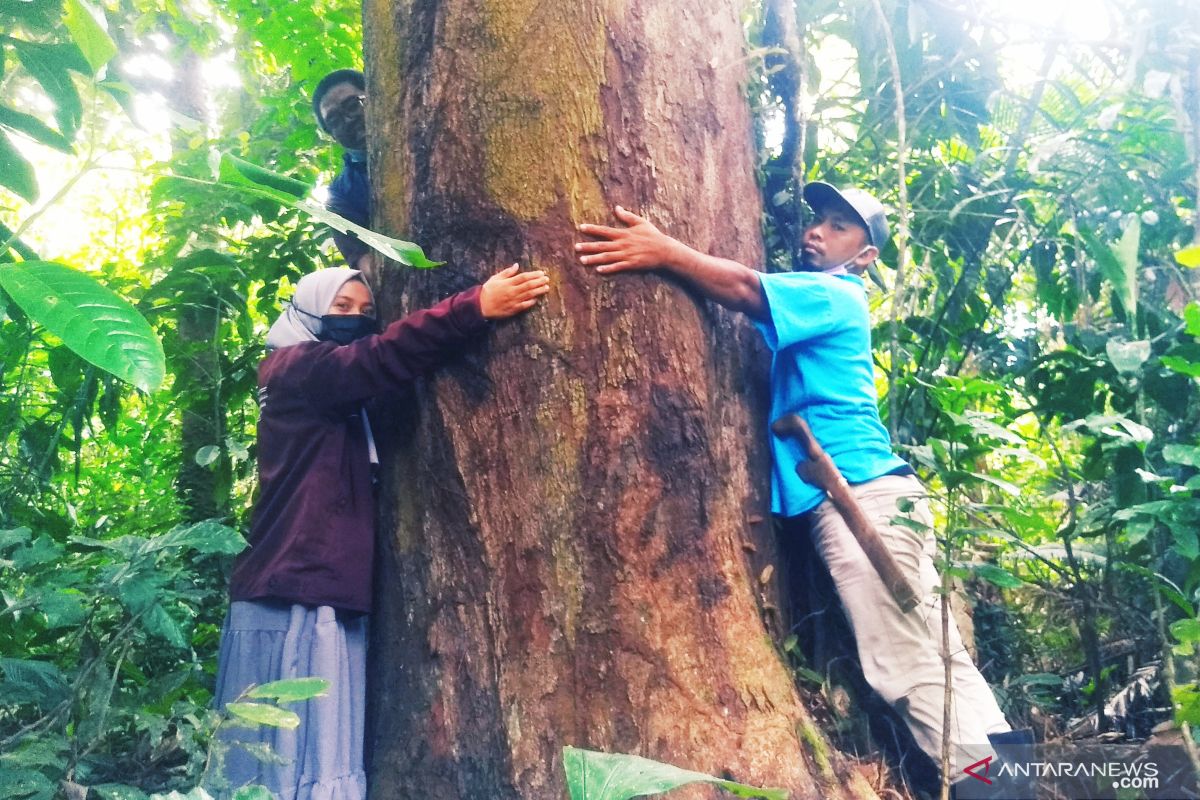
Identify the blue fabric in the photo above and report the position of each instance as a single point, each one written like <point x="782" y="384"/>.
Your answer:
<point x="819" y="333"/>
<point x="321" y="759"/>
<point x="350" y="197"/>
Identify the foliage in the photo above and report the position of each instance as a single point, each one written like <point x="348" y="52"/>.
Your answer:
<point x="614" y="776"/>
<point x="1039" y="362"/>
<point x="113" y="583"/>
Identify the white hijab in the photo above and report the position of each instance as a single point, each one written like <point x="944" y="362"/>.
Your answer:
<point x="301" y="319"/>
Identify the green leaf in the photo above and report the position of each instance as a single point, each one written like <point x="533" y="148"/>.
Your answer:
<point x="612" y="776"/>
<point x="49" y="64"/>
<point x="396" y="249"/>
<point x="34" y="128"/>
<point x="99" y="325"/>
<point x="1187" y="704"/>
<point x="1010" y="488"/>
<point x="1118" y="263"/>
<point x="1182" y="454"/>
<point x="233" y="171"/>
<point x="1189" y="257"/>
<point x="26" y="784"/>
<point x="28" y="681"/>
<point x="12" y="537"/>
<point x="998" y="576"/>
<point x="1191" y="314"/>
<point x="261" y="176"/>
<point x="1186" y="543"/>
<point x="208" y="537"/>
<point x="63" y="607"/>
<point x="1128" y="356"/>
<point x="207" y="455"/>
<point x="158" y="622"/>
<point x="262" y="714"/>
<point x="253" y="792"/>
<point x="1186" y="630"/>
<point x="15" y="172"/>
<point x="1182" y="366"/>
<point x="93" y="40"/>
<point x="290" y="690"/>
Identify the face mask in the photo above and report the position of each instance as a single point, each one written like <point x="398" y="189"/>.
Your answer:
<point x="843" y="268"/>
<point x="346" y="328"/>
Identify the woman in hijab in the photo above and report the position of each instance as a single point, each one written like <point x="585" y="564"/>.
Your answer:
<point x="301" y="592"/>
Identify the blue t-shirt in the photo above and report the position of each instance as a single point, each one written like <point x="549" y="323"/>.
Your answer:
<point x="819" y="333"/>
<point x="350" y="197"/>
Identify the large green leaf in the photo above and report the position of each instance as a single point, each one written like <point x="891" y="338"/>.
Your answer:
<point x="233" y="171"/>
<point x="34" y="128"/>
<point x="207" y="537"/>
<point x="15" y="172"/>
<point x="263" y="714"/>
<point x="93" y="40"/>
<point x="613" y="776"/>
<point x="50" y="65"/>
<point x="290" y="690"/>
<point x="99" y="325"/>
<point x="1119" y="263"/>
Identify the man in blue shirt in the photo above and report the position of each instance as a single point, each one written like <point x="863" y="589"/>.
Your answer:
<point x="817" y="326"/>
<point x="339" y="104"/>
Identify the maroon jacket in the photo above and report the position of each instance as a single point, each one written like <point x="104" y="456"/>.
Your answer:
<point x="313" y="530"/>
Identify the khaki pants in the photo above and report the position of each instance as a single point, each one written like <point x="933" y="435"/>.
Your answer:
<point x="901" y="654"/>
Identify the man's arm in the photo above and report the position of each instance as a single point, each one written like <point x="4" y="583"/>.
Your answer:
<point x="642" y="246"/>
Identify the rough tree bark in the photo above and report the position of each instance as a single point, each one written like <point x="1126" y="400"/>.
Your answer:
<point x="570" y="535"/>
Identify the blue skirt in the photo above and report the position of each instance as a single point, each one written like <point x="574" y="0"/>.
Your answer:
<point x="322" y="759"/>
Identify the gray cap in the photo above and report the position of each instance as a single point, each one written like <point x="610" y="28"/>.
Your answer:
<point x="870" y="212"/>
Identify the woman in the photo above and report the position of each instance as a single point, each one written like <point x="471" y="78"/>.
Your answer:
<point x="302" y="591"/>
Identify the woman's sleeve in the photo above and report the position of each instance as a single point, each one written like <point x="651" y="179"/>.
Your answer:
<point x="374" y="365"/>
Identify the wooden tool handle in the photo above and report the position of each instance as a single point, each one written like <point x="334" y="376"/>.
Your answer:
<point x="821" y="472"/>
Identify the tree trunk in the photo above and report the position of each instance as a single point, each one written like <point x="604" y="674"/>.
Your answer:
<point x="570" y="537"/>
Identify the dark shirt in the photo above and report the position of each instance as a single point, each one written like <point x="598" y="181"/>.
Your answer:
<point x="350" y="197"/>
<point x="312" y="531"/>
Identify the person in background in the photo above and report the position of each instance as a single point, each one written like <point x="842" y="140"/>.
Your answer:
<point x="339" y="104"/>
<point x="301" y="592"/>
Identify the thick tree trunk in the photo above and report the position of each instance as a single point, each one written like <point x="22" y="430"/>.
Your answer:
<point x="570" y="538"/>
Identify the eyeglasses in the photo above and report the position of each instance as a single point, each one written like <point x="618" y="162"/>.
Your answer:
<point x="345" y="111"/>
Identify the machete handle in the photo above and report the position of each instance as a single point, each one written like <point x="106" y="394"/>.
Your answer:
<point x="820" y="471"/>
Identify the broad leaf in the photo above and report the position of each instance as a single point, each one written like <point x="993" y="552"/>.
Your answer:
<point x="16" y="173"/>
<point x="50" y="64"/>
<point x="158" y="622"/>
<point x="998" y="576"/>
<point x="233" y="171"/>
<point x="1186" y="630"/>
<point x="262" y="714"/>
<point x="612" y="776"/>
<point x="28" y="681"/>
<point x="1182" y="454"/>
<point x="1182" y="366"/>
<point x="93" y="40"/>
<point x="208" y="537"/>
<point x="99" y="325"/>
<point x="290" y="690"/>
<point x="1128" y="357"/>
<point x="34" y="128"/>
<point x="1191" y="314"/>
